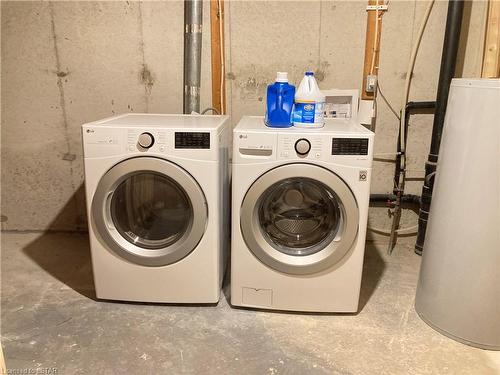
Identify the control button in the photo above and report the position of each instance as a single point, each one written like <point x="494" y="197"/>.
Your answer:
<point x="146" y="140"/>
<point x="162" y="148"/>
<point x="131" y="147"/>
<point x="318" y="155"/>
<point x="302" y="146"/>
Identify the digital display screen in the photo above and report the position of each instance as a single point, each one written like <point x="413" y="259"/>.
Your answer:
<point x="192" y="140"/>
<point x="350" y="146"/>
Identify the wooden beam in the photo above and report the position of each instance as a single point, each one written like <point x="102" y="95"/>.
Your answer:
<point x="491" y="57"/>
<point x="217" y="51"/>
<point x="369" y="43"/>
<point x="3" y="368"/>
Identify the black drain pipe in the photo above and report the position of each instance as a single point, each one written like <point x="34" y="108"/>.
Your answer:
<point x="446" y="73"/>
<point x="390" y="198"/>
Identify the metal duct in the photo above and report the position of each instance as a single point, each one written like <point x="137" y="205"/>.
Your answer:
<point x="193" y="22"/>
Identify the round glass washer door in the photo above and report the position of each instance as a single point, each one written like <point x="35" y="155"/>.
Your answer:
<point x="149" y="211"/>
<point x="299" y="218"/>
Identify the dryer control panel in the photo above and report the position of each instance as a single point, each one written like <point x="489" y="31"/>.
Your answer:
<point x="101" y="141"/>
<point x="149" y="140"/>
<point x="192" y="140"/>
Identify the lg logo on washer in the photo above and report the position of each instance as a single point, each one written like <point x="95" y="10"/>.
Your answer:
<point x="252" y="145"/>
<point x="100" y="137"/>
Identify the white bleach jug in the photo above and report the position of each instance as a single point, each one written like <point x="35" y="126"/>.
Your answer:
<point x="309" y="104"/>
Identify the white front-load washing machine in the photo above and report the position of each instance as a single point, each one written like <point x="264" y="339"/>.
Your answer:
<point x="300" y="207"/>
<point x="157" y="190"/>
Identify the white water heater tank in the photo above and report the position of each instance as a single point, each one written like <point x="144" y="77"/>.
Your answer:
<point x="458" y="291"/>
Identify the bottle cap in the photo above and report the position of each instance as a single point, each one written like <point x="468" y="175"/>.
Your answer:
<point x="309" y="73"/>
<point x="282" y="77"/>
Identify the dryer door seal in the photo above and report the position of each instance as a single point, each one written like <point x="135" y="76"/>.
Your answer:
<point x="299" y="218"/>
<point x="149" y="211"/>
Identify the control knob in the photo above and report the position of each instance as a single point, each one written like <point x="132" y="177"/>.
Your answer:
<point x="146" y="140"/>
<point x="302" y="146"/>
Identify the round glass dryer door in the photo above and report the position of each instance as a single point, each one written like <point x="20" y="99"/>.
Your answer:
<point x="149" y="211"/>
<point x="299" y="218"/>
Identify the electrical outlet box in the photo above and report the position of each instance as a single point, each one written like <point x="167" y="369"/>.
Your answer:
<point x="371" y="83"/>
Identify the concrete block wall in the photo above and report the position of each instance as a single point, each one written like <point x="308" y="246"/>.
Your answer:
<point x="67" y="63"/>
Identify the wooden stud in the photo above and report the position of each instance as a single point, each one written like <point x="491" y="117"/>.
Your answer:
<point x="217" y="51"/>
<point x="491" y="57"/>
<point x="3" y="368"/>
<point x="370" y="38"/>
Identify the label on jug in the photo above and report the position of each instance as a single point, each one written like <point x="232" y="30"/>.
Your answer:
<point x="309" y="113"/>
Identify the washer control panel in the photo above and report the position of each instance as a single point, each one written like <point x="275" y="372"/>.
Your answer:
<point x="302" y="146"/>
<point x="350" y="146"/>
<point x="314" y="147"/>
<point x="291" y="146"/>
<point x="255" y="145"/>
<point x="146" y="140"/>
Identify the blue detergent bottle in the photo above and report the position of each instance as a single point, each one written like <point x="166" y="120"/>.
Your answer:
<point x="280" y="97"/>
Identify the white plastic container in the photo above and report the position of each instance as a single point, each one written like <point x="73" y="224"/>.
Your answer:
<point x="309" y="104"/>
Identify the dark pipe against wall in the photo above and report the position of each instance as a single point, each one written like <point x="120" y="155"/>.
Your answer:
<point x="446" y="73"/>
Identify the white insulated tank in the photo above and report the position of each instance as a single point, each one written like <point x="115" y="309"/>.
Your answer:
<point x="458" y="291"/>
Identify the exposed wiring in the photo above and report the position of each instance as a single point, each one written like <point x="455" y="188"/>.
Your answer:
<point x="409" y="73"/>
<point x="399" y="187"/>
<point x="386" y="101"/>
<point x="401" y="118"/>
<point x="375" y="110"/>
<point x="375" y="39"/>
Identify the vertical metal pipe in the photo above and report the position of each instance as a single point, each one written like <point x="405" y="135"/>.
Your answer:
<point x="446" y="73"/>
<point x="193" y="21"/>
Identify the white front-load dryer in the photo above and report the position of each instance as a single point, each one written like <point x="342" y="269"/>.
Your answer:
<point x="157" y="190"/>
<point x="300" y="207"/>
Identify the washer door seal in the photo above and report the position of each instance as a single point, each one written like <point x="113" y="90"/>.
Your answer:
<point x="149" y="211"/>
<point x="330" y="247"/>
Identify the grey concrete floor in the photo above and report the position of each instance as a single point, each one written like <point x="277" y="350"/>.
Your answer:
<point x="51" y="320"/>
